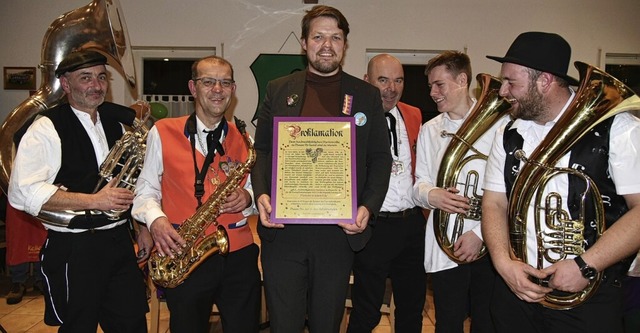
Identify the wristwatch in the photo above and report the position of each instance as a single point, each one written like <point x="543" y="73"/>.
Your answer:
<point x="587" y="271"/>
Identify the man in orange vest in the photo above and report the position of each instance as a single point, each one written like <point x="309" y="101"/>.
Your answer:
<point x="192" y="150"/>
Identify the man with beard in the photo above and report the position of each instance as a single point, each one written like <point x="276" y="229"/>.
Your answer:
<point x="90" y="271"/>
<point x="534" y="80"/>
<point x="396" y="249"/>
<point x="306" y="267"/>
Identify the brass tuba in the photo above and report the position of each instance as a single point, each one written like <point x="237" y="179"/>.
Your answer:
<point x="600" y="96"/>
<point x="99" y="26"/>
<point x="170" y="273"/>
<point x="489" y="108"/>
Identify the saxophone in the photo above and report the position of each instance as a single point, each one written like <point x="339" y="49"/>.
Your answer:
<point x="168" y="272"/>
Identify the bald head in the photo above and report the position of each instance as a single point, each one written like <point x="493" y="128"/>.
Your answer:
<point x="385" y="72"/>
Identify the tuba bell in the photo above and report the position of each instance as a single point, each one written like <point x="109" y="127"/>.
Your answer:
<point x="99" y="26"/>
<point x="489" y="108"/>
<point x="600" y="96"/>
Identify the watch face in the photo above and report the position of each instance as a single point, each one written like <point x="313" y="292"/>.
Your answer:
<point x="589" y="273"/>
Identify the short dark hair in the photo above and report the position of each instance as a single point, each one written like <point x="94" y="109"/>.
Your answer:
<point x="212" y="58"/>
<point x="326" y="11"/>
<point x="455" y="62"/>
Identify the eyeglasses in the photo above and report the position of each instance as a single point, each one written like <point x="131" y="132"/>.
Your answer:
<point x="210" y="82"/>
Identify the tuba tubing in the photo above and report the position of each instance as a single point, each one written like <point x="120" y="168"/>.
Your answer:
<point x="489" y="108"/>
<point x="99" y="26"/>
<point x="123" y="163"/>
<point x="599" y="96"/>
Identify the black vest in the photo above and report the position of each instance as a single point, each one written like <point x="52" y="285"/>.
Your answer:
<point x="79" y="169"/>
<point x="589" y="155"/>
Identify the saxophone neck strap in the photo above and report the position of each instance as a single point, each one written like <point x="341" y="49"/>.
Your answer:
<point x="213" y="147"/>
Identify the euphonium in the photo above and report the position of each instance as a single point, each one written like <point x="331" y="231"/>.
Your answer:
<point x="600" y="96"/>
<point x="168" y="272"/>
<point x="489" y="108"/>
<point x="123" y="163"/>
<point x="98" y="26"/>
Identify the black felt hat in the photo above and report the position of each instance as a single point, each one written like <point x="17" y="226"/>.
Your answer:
<point x="79" y="60"/>
<point x="546" y="52"/>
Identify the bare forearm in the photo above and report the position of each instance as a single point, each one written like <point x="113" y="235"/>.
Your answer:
<point x="495" y="227"/>
<point x="63" y="200"/>
<point x="619" y="241"/>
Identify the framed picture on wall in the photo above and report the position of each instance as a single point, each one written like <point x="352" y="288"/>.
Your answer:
<point x="20" y="78"/>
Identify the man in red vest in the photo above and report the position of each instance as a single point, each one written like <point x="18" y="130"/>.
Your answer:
<point x="396" y="248"/>
<point x="200" y="149"/>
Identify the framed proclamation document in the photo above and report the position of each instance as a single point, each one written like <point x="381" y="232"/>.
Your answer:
<point x="314" y="163"/>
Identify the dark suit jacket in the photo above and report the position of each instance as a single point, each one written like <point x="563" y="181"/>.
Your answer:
<point x="373" y="157"/>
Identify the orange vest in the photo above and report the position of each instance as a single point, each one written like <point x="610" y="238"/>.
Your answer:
<point x="178" y="199"/>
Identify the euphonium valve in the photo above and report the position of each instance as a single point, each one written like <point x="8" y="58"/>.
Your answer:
<point x="558" y="234"/>
<point x="489" y="108"/>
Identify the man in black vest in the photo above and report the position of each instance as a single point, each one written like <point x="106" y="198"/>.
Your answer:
<point x="535" y="82"/>
<point x="89" y="267"/>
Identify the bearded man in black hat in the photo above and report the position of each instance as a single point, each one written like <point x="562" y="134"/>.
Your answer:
<point x="89" y="267"/>
<point x="534" y="80"/>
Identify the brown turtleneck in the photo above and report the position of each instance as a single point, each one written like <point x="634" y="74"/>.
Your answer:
<point x="322" y="96"/>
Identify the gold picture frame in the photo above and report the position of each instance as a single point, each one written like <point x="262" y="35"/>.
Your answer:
<point x="20" y="78"/>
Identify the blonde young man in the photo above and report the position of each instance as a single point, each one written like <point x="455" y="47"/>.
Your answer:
<point x="458" y="290"/>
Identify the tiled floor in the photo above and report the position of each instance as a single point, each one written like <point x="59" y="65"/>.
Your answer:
<point x="27" y="317"/>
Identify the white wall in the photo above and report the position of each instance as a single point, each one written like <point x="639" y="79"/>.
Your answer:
<point x="242" y="29"/>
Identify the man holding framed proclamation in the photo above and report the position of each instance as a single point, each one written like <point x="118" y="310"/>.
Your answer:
<point x="306" y="266"/>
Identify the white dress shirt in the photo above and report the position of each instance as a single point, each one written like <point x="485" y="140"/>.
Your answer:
<point x="430" y="152"/>
<point x="147" y="205"/>
<point x="38" y="160"/>
<point x="624" y="163"/>
<point x="399" y="195"/>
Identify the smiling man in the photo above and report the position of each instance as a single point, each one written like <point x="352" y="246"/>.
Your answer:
<point x="306" y="267"/>
<point x="184" y="165"/>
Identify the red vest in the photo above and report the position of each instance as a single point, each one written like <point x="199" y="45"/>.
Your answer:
<point x="413" y="121"/>
<point x="178" y="199"/>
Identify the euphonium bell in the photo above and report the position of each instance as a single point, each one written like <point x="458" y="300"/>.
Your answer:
<point x="559" y="235"/>
<point x="489" y="108"/>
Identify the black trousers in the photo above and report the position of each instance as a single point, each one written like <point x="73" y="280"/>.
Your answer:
<point x="464" y="291"/>
<point x="306" y="275"/>
<point x="602" y="313"/>
<point x="92" y="277"/>
<point x="232" y="282"/>
<point x="395" y="250"/>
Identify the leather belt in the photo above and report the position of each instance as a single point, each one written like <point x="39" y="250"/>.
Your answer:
<point x="399" y="215"/>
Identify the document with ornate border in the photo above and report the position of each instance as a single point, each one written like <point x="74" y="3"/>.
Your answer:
<point x="314" y="163"/>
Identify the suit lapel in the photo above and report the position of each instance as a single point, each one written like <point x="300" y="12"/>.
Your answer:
<point x="295" y="94"/>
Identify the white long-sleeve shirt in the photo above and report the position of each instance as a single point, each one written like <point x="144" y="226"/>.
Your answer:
<point x="147" y="205"/>
<point x="38" y="160"/>
<point x="399" y="195"/>
<point x="430" y="152"/>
